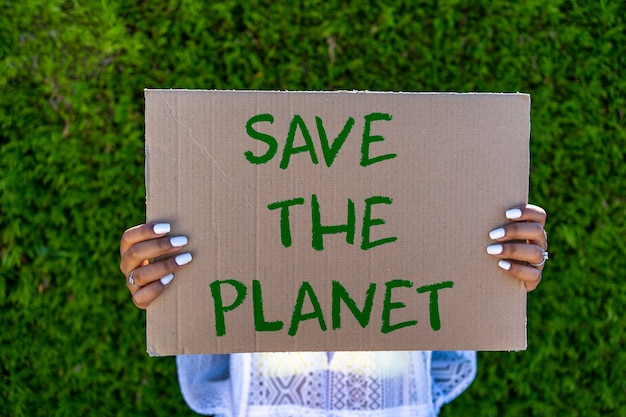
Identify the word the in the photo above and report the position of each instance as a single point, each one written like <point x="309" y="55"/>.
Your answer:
<point x="318" y="230"/>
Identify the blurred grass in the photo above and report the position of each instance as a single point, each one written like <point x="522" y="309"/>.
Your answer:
<point x="71" y="174"/>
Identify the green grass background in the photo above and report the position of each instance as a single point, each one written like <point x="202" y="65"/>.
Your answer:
<point x="72" y="76"/>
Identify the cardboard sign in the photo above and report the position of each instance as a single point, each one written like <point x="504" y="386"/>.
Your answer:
<point x="328" y="221"/>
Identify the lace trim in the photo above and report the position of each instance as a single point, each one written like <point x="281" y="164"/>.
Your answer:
<point x="452" y="372"/>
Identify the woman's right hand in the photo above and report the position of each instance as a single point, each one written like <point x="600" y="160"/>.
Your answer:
<point x="146" y="279"/>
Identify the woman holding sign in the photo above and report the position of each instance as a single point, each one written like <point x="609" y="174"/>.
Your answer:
<point x="408" y="383"/>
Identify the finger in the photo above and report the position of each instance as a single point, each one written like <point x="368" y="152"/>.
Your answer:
<point x="146" y="295"/>
<point x="142" y="233"/>
<point x="531" y="276"/>
<point x="156" y="271"/>
<point x="521" y="252"/>
<point x="531" y="232"/>
<point x="527" y="212"/>
<point x="138" y="253"/>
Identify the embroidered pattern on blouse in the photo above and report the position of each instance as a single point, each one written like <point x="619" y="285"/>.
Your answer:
<point x="319" y="384"/>
<point x="357" y="382"/>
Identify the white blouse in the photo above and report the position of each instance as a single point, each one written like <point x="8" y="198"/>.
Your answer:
<point x="325" y="384"/>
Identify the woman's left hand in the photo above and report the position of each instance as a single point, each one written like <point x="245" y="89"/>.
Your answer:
<point x="521" y="246"/>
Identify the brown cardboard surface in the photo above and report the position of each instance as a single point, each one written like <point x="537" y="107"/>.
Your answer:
<point x="430" y="174"/>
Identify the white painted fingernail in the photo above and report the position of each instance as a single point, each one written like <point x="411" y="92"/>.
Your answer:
<point x="494" y="249"/>
<point x="506" y="265"/>
<point x="497" y="233"/>
<point x="167" y="279"/>
<point x="161" y="228"/>
<point x="513" y="214"/>
<point x="183" y="259"/>
<point x="178" y="241"/>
